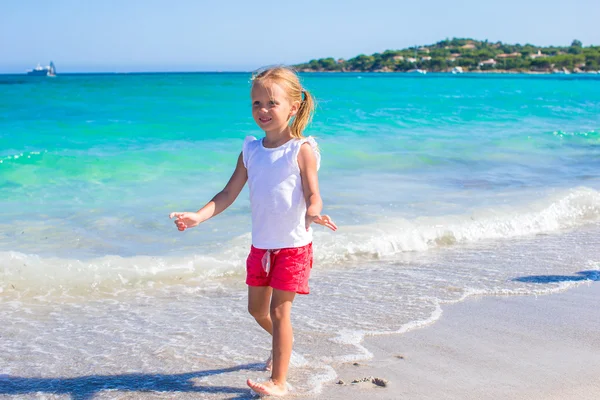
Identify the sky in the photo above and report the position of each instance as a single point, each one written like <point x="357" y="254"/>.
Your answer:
<point x="237" y="35"/>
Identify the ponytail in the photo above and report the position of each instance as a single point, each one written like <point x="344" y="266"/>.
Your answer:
<point x="304" y="114"/>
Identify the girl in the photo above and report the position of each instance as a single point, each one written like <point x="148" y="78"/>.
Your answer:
<point x="281" y="170"/>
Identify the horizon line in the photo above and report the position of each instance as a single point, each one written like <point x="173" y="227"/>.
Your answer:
<point x="136" y="72"/>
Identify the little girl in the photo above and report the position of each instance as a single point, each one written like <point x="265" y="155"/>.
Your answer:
<point x="281" y="170"/>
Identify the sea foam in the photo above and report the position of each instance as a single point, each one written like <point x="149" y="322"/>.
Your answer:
<point x="30" y="273"/>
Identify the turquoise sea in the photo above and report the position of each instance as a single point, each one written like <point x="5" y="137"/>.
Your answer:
<point x="443" y="187"/>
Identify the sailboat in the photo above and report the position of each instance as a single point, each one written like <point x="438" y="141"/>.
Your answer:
<point x="49" y="70"/>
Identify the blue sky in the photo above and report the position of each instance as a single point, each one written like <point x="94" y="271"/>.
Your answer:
<point x="187" y="35"/>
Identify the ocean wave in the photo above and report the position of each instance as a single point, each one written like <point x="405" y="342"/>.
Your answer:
<point x="387" y="238"/>
<point x="33" y="274"/>
<point x="20" y="156"/>
<point x="591" y="136"/>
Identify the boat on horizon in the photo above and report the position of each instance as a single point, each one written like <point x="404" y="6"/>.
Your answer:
<point x="49" y="70"/>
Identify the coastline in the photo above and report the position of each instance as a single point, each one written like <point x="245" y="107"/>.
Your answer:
<point x="517" y="347"/>
<point x="491" y="72"/>
<point x="467" y="54"/>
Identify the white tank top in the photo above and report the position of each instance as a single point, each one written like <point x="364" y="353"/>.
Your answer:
<point x="276" y="195"/>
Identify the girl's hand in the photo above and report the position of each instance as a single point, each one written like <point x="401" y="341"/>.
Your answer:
<point x="321" y="220"/>
<point x="185" y="220"/>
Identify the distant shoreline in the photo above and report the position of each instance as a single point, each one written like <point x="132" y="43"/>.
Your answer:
<point x="495" y="72"/>
<point x="303" y="71"/>
<point x="469" y="55"/>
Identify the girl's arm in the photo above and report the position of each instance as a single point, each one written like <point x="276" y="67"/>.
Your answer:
<point x="218" y="204"/>
<point x="310" y="185"/>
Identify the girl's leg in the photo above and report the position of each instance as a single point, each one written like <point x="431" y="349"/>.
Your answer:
<point x="283" y="336"/>
<point x="259" y="300"/>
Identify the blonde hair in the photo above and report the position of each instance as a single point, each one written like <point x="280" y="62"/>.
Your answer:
<point x="288" y="79"/>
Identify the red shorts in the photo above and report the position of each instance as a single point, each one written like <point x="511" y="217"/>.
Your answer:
<point x="282" y="269"/>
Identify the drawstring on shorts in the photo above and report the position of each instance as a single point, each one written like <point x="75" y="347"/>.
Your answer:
<point x="266" y="260"/>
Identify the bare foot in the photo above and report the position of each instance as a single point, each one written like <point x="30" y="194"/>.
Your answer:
<point x="268" y="388"/>
<point x="269" y="362"/>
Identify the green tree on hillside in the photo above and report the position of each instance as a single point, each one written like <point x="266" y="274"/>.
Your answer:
<point x="576" y="47"/>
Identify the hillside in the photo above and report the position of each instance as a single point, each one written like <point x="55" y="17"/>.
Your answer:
<point x="468" y="55"/>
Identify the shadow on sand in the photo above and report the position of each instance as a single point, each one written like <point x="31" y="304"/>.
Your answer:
<point x="580" y="276"/>
<point x="86" y="387"/>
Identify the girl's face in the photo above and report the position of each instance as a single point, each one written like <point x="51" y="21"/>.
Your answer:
<point x="271" y="107"/>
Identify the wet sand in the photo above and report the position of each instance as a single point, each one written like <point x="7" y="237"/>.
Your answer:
<point x="517" y="347"/>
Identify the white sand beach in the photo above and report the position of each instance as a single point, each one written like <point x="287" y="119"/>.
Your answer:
<point x="518" y="347"/>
